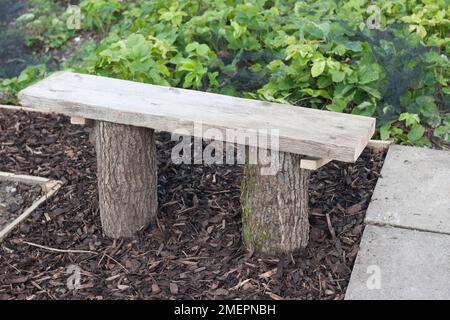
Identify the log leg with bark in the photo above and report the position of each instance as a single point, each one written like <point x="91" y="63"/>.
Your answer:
<point x="127" y="177"/>
<point x="275" y="207"/>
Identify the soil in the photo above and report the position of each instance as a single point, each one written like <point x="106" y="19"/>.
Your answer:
<point x="15" y="198"/>
<point x="193" y="251"/>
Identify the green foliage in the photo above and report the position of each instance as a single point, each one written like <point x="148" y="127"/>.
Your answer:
<point x="312" y="53"/>
<point x="443" y="131"/>
<point x="133" y="58"/>
<point x="100" y="14"/>
<point x="45" y="25"/>
<point x="30" y="75"/>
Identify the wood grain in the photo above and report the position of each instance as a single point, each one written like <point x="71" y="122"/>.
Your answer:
<point x="127" y="178"/>
<point x="275" y="207"/>
<point x="310" y="132"/>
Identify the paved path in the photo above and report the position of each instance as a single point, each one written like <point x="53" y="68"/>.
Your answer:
<point x="405" y="249"/>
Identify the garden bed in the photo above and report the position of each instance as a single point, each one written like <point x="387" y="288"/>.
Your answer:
<point x="20" y="195"/>
<point x="15" y="197"/>
<point x="193" y="251"/>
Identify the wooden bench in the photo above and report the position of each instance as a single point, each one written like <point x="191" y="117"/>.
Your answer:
<point x="126" y="113"/>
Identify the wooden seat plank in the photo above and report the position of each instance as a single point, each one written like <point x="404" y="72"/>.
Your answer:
<point x="305" y="131"/>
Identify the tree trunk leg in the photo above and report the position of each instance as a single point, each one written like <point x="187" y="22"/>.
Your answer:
<point x="275" y="207"/>
<point x="127" y="177"/>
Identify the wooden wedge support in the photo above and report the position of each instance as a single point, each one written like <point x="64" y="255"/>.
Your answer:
<point x="127" y="178"/>
<point x="311" y="163"/>
<point x="78" y="120"/>
<point x="82" y="122"/>
<point x="275" y="207"/>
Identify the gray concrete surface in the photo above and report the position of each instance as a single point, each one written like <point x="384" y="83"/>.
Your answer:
<point x="395" y="263"/>
<point x="414" y="190"/>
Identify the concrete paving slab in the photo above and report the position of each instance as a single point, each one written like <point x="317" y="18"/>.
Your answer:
<point x="395" y="264"/>
<point x="413" y="191"/>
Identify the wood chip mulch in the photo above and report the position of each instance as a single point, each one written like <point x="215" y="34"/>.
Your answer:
<point x="193" y="251"/>
<point x="15" y="198"/>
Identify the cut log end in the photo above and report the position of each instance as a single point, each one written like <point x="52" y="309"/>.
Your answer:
<point x="275" y="207"/>
<point x="127" y="178"/>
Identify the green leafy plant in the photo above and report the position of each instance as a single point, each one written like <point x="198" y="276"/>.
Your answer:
<point x="312" y="53"/>
<point x="10" y="87"/>
<point x="45" y="25"/>
<point x="100" y="14"/>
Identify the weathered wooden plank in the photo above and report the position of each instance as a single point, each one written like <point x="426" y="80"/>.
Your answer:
<point x="304" y="131"/>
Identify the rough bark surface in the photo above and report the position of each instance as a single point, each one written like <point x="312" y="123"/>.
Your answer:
<point x="127" y="177"/>
<point x="275" y="207"/>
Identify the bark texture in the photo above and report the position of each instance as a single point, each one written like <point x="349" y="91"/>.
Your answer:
<point x="275" y="207"/>
<point x="127" y="177"/>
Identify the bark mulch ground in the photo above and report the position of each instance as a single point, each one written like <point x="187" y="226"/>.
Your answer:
<point x="193" y="251"/>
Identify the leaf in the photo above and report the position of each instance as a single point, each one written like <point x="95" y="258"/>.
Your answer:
<point x="372" y="91"/>
<point x="410" y="119"/>
<point x="337" y="76"/>
<point x="446" y="90"/>
<point x="385" y="130"/>
<point x="333" y="65"/>
<point x="342" y="89"/>
<point x="192" y="46"/>
<point x="420" y="30"/>
<point x="428" y="108"/>
<point x="317" y="93"/>
<point x="443" y="132"/>
<point x="368" y="75"/>
<point x="318" y="68"/>
<point x="238" y="29"/>
<point x="134" y="40"/>
<point x="364" y="109"/>
<point x="337" y="106"/>
<point x="339" y="50"/>
<point x="323" y="82"/>
<point x="203" y="50"/>
<point x="353" y="46"/>
<point x="416" y="133"/>
<point x="316" y="31"/>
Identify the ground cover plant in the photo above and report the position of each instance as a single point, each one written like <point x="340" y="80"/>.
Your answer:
<point x="387" y="59"/>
